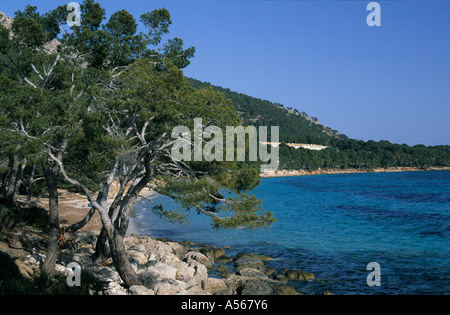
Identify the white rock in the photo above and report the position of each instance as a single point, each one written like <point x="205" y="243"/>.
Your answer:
<point x="213" y="285"/>
<point x="160" y="271"/>
<point x="109" y="273"/>
<point x="115" y="289"/>
<point x="169" y="258"/>
<point x="197" y="291"/>
<point x="137" y="256"/>
<point x="62" y="269"/>
<point x="178" y="249"/>
<point x="193" y="258"/>
<point x="170" y="288"/>
<point x="140" y="290"/>
<point x="201" y="271"/>
<point x="184" y="271"/>
<point x="253" y="273"/>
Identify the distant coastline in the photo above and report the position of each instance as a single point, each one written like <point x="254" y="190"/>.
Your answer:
<point x="287" y="173"/>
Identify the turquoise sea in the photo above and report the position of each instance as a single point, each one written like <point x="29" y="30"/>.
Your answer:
<point x="335" y="225"/>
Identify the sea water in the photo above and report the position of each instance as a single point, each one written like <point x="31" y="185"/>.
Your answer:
<point x="335" y="225"/>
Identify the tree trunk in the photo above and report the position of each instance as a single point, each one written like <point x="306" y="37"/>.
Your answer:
<point x="115" y="224"/>
<point x="51" y="171"/>
<point x="18" y="182"/>
<point x="11" y="181"/>
<point x="101" y="248"/>
<point x="118" y="253"/>
<point x="51" y="178"/>
<point x="3" y="183"/>
<point x="30" y="183"/>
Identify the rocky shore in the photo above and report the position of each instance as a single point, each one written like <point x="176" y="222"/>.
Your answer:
<point x="164" y="266"/>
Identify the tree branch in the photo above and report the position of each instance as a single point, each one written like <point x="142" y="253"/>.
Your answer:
<point x="76" y="183"/>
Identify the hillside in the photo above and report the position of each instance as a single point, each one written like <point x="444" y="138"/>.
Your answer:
<point x="295" y="127"/>
<point x="342" y="152"/>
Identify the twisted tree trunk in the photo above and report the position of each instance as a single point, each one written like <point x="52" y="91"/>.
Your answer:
<point x="51" y="172"/>
<point x="51" y="178"/>
<point x="9" y="195"/>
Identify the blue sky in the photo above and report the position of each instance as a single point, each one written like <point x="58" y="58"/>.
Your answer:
<point x="372" y="83"/>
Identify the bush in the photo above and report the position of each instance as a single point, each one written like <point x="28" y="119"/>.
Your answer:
<point x="11" y="280"/>
<point x="46" y="284"/>
<point x="19" y="216"/>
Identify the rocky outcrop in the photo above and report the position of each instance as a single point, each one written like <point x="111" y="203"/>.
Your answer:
<point x="5" y="20"/>
<point x="164" y="267"/>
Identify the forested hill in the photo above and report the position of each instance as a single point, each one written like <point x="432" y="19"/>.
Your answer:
<point x="342" y="153"/>
<point x="295" y="127"/>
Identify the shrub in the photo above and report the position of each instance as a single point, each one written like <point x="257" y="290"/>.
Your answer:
<point x="11" y="280"/>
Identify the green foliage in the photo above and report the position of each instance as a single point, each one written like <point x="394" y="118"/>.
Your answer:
<point x="28" y="27"/>
<point x="173" y="50"/>
<point x="45" y="284"/>
<point x="294" y="126"/>
<point x="4" y="39"/>
<point x="121" y="24"/>
<point x="243" y="212"/>
<point x="172" y="216"/>
<point x="117" y="43"/>
<point x="248" y="179"/>
<point x="227" y="208"/>
<point x="157" y="22"/>
<point x="21" y="216"/>
<point x="11" y="280"/>
<point x="92" y="14"/>
<point x="364" y="155"/>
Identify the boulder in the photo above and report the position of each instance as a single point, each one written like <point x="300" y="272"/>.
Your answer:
<point x="172" y="287"/>
<point x="169" y="258"/>
<point x="197" y="291"/>
<point x="222" y="268"/>
<point x="137" y="256"/>
<point x="200" y="275"/>
<point x="297" y="274"/>
<point x="213" y="285"/>
<point x="25" y="270"/>
<point x="108" y="273"/>
<point x="129" y="241"/>
<point x="159" y="271"/>
<point x="115" y="289"/>
<point x="246" y="261"/>
<point x="253" y="273"/>
<point x="194" y="258"/>
<point x="260" y="257"/>
<point x="140" y="290"/>
<point x="255" y="286"/>
<point x="184" y="271"/>
<point x="200" y="271"/>
<point x="211" y="251"/>
<point x="178" y="249"/>
<point x="224" y="259"/>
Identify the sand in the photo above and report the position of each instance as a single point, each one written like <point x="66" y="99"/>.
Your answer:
<point x="73" y="207"/>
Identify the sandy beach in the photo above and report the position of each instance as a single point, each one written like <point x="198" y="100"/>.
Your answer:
<point x="73" y="207"/>
<point x="285" y="173"/>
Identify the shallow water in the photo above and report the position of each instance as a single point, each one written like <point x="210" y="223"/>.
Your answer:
<point x="335" y="225"/>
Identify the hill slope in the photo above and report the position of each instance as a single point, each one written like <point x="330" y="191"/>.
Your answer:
<point x="342" y="153"/>
<point x="295" y="127"/>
